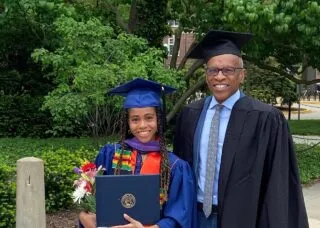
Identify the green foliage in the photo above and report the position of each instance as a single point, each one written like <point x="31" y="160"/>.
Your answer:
<point x="83" y="52"/>
<point x="89" y="204"/>
<point x="59" y="178"/>
<point x="12" y="149"/>
<point x="21" y="116"/>
<point x="24" y="26"/>
<point x="308" y="161"/>
<point x="285" y="30"/>
<point x="152" y="19"/>
<point x="90" y="61"/>
<point x="147" y="19"/>
<point x="305" y="127"/>
<point x="7" y="196"/>
<point x="59" y="155"/>
<point x="267" y="86"/>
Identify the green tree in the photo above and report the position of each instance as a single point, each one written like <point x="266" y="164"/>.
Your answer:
<point x="286" y="31"/>
<point x="267" y="86"/>
<point x="144" y="18"/>
<point x="24" y="26"/>
<point x="72" y="55"/>
<point x="90" y="60"/>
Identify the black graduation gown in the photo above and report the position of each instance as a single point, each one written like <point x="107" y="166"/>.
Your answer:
<point x="259" y="184"/>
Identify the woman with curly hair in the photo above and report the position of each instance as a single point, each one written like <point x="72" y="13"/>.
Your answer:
<point x="143" y="141"/>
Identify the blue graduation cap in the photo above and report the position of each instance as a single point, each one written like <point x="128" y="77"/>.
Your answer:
<point x="141" y="93"/>
<point x="217" y="42"/>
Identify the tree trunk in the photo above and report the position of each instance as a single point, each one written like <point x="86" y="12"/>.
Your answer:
<point x="280" y="71"/>
<point x="198" y="63"/>
<point x="133" y="17"/>
<point x="119" y="20"/>
<point x="176" y="48"/>
<point x="185" y="57"/>
<point x="184" y="97"/>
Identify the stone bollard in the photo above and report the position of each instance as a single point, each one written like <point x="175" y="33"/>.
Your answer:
<point x="30" y="200"/>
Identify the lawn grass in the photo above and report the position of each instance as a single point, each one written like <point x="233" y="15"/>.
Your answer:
<point x="305" y="127"/>
<point x="308" y="161"/>
<point x="12" y="149"/>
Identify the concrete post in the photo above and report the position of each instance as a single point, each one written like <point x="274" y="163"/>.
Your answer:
<point x="30" y="200"/>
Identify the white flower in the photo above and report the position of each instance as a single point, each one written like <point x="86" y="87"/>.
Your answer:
<point x="80" y="192"/>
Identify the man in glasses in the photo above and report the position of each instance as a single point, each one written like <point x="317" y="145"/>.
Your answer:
<point x="241" y="149"/>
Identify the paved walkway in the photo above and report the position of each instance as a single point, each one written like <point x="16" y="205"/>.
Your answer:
<point x="306" y="139"/>
<point x="312" y="200"/>
<point x="312" y="193"/>
<point x="311" y="110"/>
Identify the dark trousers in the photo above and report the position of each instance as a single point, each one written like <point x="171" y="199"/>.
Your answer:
<point x="204" y="222"/>
<point x="80" y="225"/>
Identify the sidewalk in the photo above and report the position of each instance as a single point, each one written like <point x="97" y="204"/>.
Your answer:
<point x="309" y="110"/>
<point x="311" y="194"/>
<point x="306" y="139"/>
<point x="312" y="200"/>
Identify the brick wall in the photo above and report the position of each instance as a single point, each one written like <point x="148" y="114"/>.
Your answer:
<point x="185" y="43"/>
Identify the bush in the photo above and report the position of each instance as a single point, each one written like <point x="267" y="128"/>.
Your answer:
<point x="59" y="175"/>
<point x="7" y="196"/>
<point x="12" y="149"/>
<point x="21" y="116"/>
<point x="59" y="156"/>
<point x="308" y="161"/>
<point x="304" y="127"/>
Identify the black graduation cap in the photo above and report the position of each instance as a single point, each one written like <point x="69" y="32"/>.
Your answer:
<point x="217" y="42"/>
<point x="141" y="93"/>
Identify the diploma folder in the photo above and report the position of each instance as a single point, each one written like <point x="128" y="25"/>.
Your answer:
<point x="136" y="195"/>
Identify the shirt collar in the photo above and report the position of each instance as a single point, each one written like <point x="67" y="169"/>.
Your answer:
<point x="229" y="103"/>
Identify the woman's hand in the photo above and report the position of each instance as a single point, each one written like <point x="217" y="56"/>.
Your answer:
<point x="88" y="220"/>
<point x="133" y="223"/>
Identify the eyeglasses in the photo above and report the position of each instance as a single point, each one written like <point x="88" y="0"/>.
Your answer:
<point x="226" y="71"/>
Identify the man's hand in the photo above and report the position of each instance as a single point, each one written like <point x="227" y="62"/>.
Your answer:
<point x="133" y="223"/>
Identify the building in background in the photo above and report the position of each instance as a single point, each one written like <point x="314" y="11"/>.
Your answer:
<point x="185" y="43"/>
<point x="309" y="75"/>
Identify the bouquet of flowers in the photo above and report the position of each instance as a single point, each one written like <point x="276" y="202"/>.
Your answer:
<point x="84" y="193"/>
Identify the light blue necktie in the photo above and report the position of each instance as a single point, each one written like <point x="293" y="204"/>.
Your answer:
<point x="211" y="161"/>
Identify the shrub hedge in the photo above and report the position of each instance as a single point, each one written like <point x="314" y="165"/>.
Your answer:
<point x="7" y="196"/>
<point x="59" y="179"/>
<point x="59" y="175"/>
<point x="308" y="160"/>
<point x="21" y="116"/>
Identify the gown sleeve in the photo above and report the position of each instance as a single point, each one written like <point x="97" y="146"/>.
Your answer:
<point x="178" y="139"/>
<point x="105" y="157"/>
<point x="282" y="200"/>
<point x="180" y="209"/>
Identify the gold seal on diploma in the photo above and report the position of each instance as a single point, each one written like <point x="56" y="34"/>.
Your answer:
<point x="128" y="200"/>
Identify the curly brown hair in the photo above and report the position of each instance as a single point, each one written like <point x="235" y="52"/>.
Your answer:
<point x="164" y="163"/>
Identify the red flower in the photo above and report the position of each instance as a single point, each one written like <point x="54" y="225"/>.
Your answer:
<point x="88" y="166"/>
<point x="88" y="187"/>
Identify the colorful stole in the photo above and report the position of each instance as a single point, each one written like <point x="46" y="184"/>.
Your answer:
<point x="151" y="164"/>
<point x="126" y="160"/>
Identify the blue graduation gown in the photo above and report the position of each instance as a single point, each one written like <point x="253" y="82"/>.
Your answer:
<point x="180" y="209"/>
